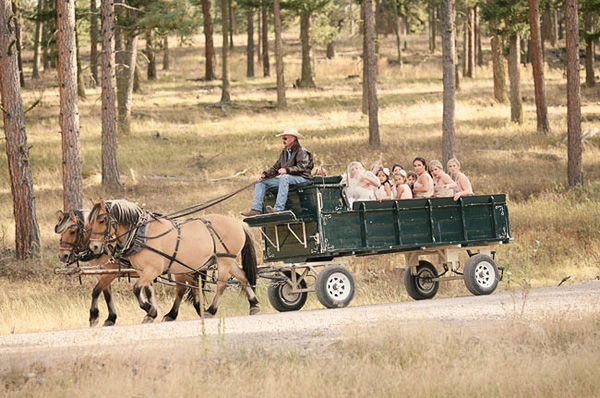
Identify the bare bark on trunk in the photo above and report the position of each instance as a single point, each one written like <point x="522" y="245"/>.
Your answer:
<point x="165" y="47"/>
<point x="590" y="27"/>
<point x="397" y="32"/>
<point x="37" y="41"/>
<point x="538" y="68"/>
<point x="281" y="101"/>
<point x="125" y="80"/>
<point x="265" y="42"/>
<point x="45" y="57"/>
<point x="351" y="21"/>
<point x="498" y="67"/>
<point x="250" y="45"/>
<point x="516" y="105"/>
<point x="330" y="52"/>
<point x="574" y="163"/>
<point x="554" y="36"/>
<point x="80" y="82"/>
<point x="18" y="37"/>
<point x="471" y="43"/>
<point x="27" y="234"/>
<point x="231" y="24"/>
<point x="150" y="55"/>
<point x="209" y="48"/>
<point x="365" y="101"/>
<point x="94" y="42"/>
<point x="258" y="38"/>
<point x="370" y="65"/>
<point x="69" y="108"/>
<point x="137" y="77"/>
<point x="110" y="171"/>
<point x="448" y="54"/>
<point x="477" y="38"/>
<point x="431" y="15"/>
<point x="225" y="97"/>
<point x="465" y="51"/>
<point x="546" y="27"/>
<point x="306" y="78"/>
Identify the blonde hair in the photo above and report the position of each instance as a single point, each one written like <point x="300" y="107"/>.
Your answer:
<point x="455" y="161"/>
<point x="435" y="163"/>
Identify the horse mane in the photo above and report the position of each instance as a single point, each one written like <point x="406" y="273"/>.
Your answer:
<point x="125" y="212"/>
<point x="81" y="216"/>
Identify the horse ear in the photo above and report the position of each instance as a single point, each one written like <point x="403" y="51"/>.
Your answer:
<point x="61" y="218"/>
<point x="72" y="217"/>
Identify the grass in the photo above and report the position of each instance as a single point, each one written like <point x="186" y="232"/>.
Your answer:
<point x="178" y="132"/>
<point x="554" y="356"/>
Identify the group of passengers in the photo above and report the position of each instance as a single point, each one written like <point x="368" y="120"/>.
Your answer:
<point x="379" y="184"/>
<point x="295" y="164"/>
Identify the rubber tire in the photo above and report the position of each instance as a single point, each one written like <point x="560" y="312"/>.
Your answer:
<point x="324" y="287"/>
<point x="414" y="286"/>
<point x="487" y="269"/>
<point x="278" y="301"/>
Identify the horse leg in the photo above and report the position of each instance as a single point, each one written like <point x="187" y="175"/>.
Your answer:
<point x="149" y="291"/>
<point x="172" y="314"/>
<point x="110" y="305"/>
<point x="100" y="287"/>
<point x="150" y="307"/>
<point x="221" y="286"/>
<point x="239" y="274"/>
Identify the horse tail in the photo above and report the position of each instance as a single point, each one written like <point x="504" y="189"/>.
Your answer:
<point x="249" y="263"/>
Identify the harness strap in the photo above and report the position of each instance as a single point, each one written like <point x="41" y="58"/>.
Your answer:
<point x="176" y="225"/>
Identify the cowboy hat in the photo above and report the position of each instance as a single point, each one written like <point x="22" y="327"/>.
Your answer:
<point x="290" y="131"/>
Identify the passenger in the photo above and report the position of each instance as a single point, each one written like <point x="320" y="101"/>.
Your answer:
<point x="395" y="169"/>
<point x="423" y="187"/>
<point x="403" y="191"/>
<point x="411" y="178"/>
<point x="463" y="185"/>
<point x="384" y="192"/>
<point x="320" y="171"/>
<point x="360" y="183"/>
<point x="443" y="185"/>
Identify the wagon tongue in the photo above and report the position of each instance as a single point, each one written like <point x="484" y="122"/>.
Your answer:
<point x="271" y="218"/>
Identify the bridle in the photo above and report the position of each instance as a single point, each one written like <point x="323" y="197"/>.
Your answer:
<point x="105" y="234"/>
<point x="78" y="248"/>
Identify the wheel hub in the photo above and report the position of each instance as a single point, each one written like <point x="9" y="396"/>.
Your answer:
<point x="484" y="274"/>
<point x="338" y="286"/>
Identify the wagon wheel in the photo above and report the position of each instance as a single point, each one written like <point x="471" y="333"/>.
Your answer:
<point x="335" y="286"/>
<point x="281" y="296"/>
<point x="481" y="275"/>
<point x="420" y="286"/>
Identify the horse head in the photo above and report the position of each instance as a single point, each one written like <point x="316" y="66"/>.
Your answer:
<point x="73" y="236"/>
<point x="99" y="225"/>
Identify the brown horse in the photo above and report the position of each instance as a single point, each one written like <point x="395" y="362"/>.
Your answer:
<point x="157" y="245"/>
<point x="74" y="247"/>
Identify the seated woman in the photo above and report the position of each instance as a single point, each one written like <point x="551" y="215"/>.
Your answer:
<point x="423" y="187"/>
<point x="463" y="185"/>
<point x="403" y="191"/>
<point x="360" y="183"/>
<point x="443" y="185"/>
<point x="384" y="192"/>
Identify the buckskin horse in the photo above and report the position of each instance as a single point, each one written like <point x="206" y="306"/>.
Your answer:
<point x="156" y="245"/>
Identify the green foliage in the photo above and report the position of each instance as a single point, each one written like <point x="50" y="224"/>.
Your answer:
<point x="182" y="17"/>
<point x="510" y="16"/>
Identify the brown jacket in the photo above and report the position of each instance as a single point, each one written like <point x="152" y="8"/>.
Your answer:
<point x="300" y="163"/>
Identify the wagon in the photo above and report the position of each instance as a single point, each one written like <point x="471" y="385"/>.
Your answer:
<point x="319" y="227"/>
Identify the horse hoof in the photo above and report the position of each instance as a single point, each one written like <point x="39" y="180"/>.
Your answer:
<point x="167" y="318"/>
<point x="148" y="319"/>
<point x="93" y="322"/>
<point x="254" y="310"/>
<point x="108" y="323"/>
<point x="208" y="315"/>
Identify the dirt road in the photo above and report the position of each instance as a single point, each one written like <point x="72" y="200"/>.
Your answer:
<point x="303" y="327"/>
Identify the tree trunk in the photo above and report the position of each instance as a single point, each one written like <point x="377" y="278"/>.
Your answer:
<point x="110" y="171"/>
<point x="231" y="24"/>
<point x="258" y="39"/>
<point x="151" y="56"/>
<point x="27" y="234"/>
<point x="209" y="48"/>
<point x="94" y="42"/>
<point x="365" y="101"/>
<point x="250" y="46"/>
<point x="574" y="163"/>
<point x="476" y="38"/>
<point x="225" y="97"/>
<point x="165" y="47"/>
<point x="125" y="80"/>
<point x="516" y="105"/>
<point x="397" y="32"/>
<point x="498" y="66"/>
<point x="306" y="79"/>
<point x="546" y="28"/>
<point x="265" y="42"/>
<point x="137" y="77"/>
<point x="330" y="52"/>
<point x="590" y="79"/>
<point x="448" y="54"/>
<point x="45" y="56"/>
<point x="554" y="36"/>
<point x="80" y="81"/>
<point x="281" y="101"/>
<point x="465" y="47"/>
<point x="370" y="64"/>
<point x="431" y="16"/>
<point x="69" y="108"/>
<point x="351" y="21"/>
<point x="37" y="41"/>
<point x="18" y="37"/>
<point x="538" y="68"/>
<point x="471" y="43"/>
